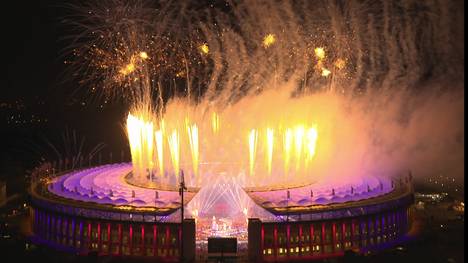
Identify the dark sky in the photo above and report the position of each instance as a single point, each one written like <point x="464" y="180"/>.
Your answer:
<point x="32" y="45"/>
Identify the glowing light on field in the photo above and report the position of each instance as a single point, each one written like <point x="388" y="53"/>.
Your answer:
<point x="204" y="48"/>
<point x="298" y="137"/>
<point x="245" y="211"/>
<point x="195" y="214"/>
<point x="215" y="122"/>
<point x="174" y="148"/>
<point x="268" y="40"/>
<point x="287" y="145"/>
<point x="193" y="138"/>
<point x="252" y="149"/>
<point x="270" y="141"/>
<point x="159" y="148"/>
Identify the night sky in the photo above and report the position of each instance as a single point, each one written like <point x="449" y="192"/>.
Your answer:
<point x="37" y="91"/>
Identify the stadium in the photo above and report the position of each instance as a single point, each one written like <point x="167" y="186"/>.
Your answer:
<point x="98" y="210"/>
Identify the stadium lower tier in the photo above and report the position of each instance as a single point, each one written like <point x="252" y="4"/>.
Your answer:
<point x="105" y="237"/>
<point x="286" y="241"/>
<point x="268" y="241"/>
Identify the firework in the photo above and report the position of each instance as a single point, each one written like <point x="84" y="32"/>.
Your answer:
<point x="298" y="141"/>
<point x="136" y="53"/>
<point x="287" y="145"/>
<point x="325" y="72"/>
<point x="174" y="148"/>
<point x="215" y="122"/>
<point x="123" y="49"/>
<point x="159" y="147"/>
<point x="193" y="136"/>
<point x="253" y="134"/>
<point x="204" y="49"/>
<point x="340" y="63"/>
<point x="268" y="40"/>
<point x="140" y="134"/>
<point x="269" y="155"/>
<point x="319" y="53"/>
<point x="311" y="142"/>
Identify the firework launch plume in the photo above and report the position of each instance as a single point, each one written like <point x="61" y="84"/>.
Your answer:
<point x="309" y="92"/>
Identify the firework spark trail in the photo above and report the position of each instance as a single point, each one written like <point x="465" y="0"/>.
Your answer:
<point x="253" y="135"/>
<point x="298" y="143"/>
<point x="71" y="147"/>
<point x="134" y="136"/>
<point x="148" y="134"/>
<point x="159" y="147"/>
<point x="287" y="146"/>
<point x="215" y="122"/>
<point x="112" y="32"/>
<point x="124" y="49"/>
<point x="174" y="148"/>
<point x="140" y="134"/>
<point x="311" y="142"/>
<point x="269" y="156"/>
<point x="193" y="137"/>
